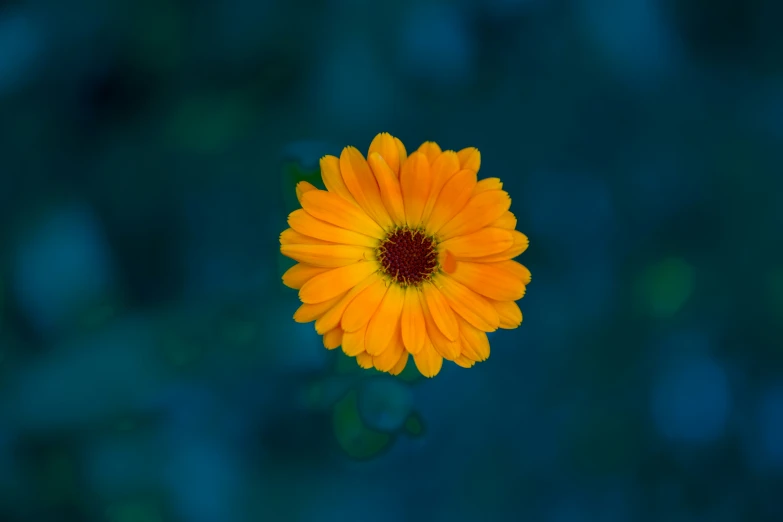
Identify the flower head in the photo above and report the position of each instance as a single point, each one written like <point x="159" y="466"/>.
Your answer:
<point x="406" y="255"/>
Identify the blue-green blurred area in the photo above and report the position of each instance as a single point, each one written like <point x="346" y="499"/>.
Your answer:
<point x="150" y="370"/>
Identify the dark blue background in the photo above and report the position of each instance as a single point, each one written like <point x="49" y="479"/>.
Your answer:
<point x="150" y="370"/>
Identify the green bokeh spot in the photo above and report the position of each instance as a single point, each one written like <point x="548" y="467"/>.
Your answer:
<point x="414" y="425"/>
<point x="293" y="173"/>
<point x="137" y="511"/>
<point x="209" y="123"/>
<point x="356" y="439"/>
<point x="240" y="332"/>
<point x="666" y="286"/>
<point x="776" y="291"/>
<point x="410" y="373"/>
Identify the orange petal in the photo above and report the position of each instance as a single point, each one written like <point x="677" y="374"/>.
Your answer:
<point x="334" y="282"/>
<point x="302" y="187"/>
<point x="308" y="312"/>
<point x="301" y="273"/>
<point x="333" y="209"/>
<point x="333" y="338"/>
<point x="332" y="318"/>
<point x="401" y="150"/>
<point x="480" y="243"/>
<point x="443" y="169"/>
<point x="481" y="210"/>
<point x="507" y="221"/>
<point x="431" y="150"/>
<point x="363" y="306"/>
<point x="448" y="261"/>
<point x="304" y="223"/>
<point x="333" y="180"/>
<point x="400" y="366"/>
<point x="389" y="185"/>
<point x="520" y="245"/>
<point x="364" y="360"/>
<point x="492" y="280"/>
<point x="487" y="184"/>
<point x="509" y="313"/>
<point x="475" y="344"/>
<point x="353" y="342"/>
<point x="446" y="348"/>
<point x="453" y="197"/>
<point x="472" y="307"/>
<point x="385" y="321"/>
<point x="470" y="158"/>
<point x="415" y="184"/>
<point x="290" y="236"/>
<point x="361" y="182"/>
<point x="413" y="329"/>
<point x="391" y="355"/>
<point x="386" y="146"/>
<point x="441" y="312"/>
<point x="327" y="255"/>
<point x="428" y="361"/>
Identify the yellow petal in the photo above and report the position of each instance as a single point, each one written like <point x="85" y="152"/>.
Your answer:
<point x="469" y="158"/>
<point x="519" y="271"/>
<point x="383" y="323"/>
<point x="333" y="338"/>
<point x="428" y="361"/>
<point x="400" y="366"/>
<point x="391" y="355"/>
<point x="302" y="187"/>
<point x="290" y="236"/>
<point x="353" y="342"/>
<point x="472" y="307"/>
<point x="327" y="255"/>
<point x="364" y="360"/>
<point x="453" y="197"/>
<point x="415" y="184"/>
<point x="446" y="348"/>
<point x="443" y="169"/>
<point x="361" y="182"/>
<point x="413" y="328"/>
<point x="301" y="273"/>
<point x="308" y="312"/>
<point x="431" y="150"/>
<point x="475" y="345"/>
<point x="493" y="280"/>
<point x="509" y="313"/>
<point x="441" y="312"/>
<point x="507" y="221"/>
<point x="464" y="362"/>
<point x="481" y="210"/>
<point x="340" y="212"/>
<point x="386" y="147"/>
<point x="333" y="180"/>
<point x="304" y="223"/>
<point x="389" y="186"/>
<point x="334" y="282"/>
<point x="363" y="306"/>
<point x="332" y="318"/>
<point x="480" y="243"/>
<point x="401" y="151"/>
<point x="488" y="184"/>
<point x="520" y="245"/>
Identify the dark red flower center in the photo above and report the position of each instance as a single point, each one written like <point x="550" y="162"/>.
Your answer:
<point x="408" y="256"/>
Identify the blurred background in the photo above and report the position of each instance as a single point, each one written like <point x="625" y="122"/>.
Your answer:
<point x="150" y="370"/>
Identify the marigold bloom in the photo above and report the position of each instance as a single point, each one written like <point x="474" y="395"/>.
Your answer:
<point x="406" y="255"/>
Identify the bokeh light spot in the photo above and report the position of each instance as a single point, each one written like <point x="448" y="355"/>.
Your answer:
<point x="353" y="436"/>
<point x="666" y="286"/>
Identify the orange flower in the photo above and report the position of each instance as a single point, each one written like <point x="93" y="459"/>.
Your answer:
<point x="406" y="255"/>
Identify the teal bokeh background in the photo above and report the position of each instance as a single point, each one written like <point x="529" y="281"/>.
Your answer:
<point x="150" y="370"/>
